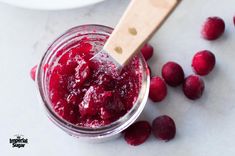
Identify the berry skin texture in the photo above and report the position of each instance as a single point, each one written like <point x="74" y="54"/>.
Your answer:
<point x="158" y="89"/>
<point x="193" y="87"/>
<point x="137" y="133"/>
<point x="147" y="51"/>
<point x="203" y="62"/>
<point x="213" y="28"/>
<point x="163" y="127"/>
<point x="33" y="72"/>
<point x="173" y="74"/>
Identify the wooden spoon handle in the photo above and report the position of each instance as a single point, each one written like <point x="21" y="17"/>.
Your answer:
<point x="141" y="19"/>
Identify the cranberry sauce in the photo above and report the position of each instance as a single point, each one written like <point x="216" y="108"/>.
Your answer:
<point x="83" y="93"/>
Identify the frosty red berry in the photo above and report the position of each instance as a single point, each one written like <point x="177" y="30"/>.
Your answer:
<point x="158" y="89"/>
<point x="147" y="51"/>
<point x="173" y="73"/>
<point x="213" y="28"/>
<point x="203" y="62"/>
<point x="193" y="87"/>
<point x="163" y="127"/>
<point x="137" y="133"/>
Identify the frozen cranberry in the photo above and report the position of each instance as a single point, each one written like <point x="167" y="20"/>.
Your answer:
<point x="173" y="74"/>
<point x="137" y="133"/>
<point x="213" y="28"/>
<point x="193" y="87"/>
<point x="158" y="89"/>
<point x="163" y="127"/>
<point x="33" y="72"/>
<point x="203" y="62"/>
<point x="147" y="51"/>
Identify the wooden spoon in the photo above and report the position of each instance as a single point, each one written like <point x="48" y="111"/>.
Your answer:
<point x="139" y="22"/>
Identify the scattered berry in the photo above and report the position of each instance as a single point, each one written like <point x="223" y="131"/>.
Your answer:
<point x="213" y="28"/>
<point x="193" y="87"/>
<point x="173" y="74"/>
<point x="158" y="89"/>
<point x="163" y="127"/>
<point x="203" y="62"/>
<point x="33" y="72"/>
<point x="137" y="133"/>
<point x="147" y="51"/>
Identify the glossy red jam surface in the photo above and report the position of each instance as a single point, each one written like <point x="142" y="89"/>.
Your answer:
<point x="83" y="93"/>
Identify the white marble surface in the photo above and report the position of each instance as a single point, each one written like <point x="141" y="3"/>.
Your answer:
<point x="205" y="127"/>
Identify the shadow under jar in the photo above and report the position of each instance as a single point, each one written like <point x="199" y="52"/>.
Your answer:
<point x="81" y="98"/>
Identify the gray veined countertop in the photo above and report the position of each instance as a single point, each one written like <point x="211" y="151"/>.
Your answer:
<point x="205" y="127"/>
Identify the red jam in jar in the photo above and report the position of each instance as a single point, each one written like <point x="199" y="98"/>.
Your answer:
<point x="83" y="93"/>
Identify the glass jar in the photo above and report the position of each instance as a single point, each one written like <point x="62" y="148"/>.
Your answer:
<point x="104" y="132"/>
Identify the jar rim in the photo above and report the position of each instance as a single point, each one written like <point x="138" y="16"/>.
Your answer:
<point x="102" y="131"/>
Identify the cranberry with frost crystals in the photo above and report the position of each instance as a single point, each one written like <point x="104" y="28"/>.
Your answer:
<point x="163" y="127"/>
<point x="158" y="89"/>
<point x="213" y="28"/>
<point x="173" y="74"/>
<point x="203" y="62"/>
<point x="147" y="51"/>
<point x="193" y="87"/>
<point x="137" y="133"/>
<point x="33" y="72"/>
